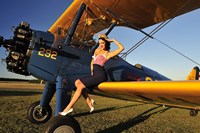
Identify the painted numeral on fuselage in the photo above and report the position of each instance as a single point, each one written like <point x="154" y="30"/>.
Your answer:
<point x="48" y="53"/>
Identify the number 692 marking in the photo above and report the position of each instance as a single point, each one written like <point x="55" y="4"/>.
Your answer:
<point x="47" y="53"/>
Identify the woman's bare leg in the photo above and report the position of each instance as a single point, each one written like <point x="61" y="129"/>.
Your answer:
<point x="87" y="98"/>
<point x="79" y="88"/>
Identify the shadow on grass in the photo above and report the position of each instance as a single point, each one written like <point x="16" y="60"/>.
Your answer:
<point x="106" y="109"/>
<point x="134" y="121"/>
<point x="18" y="93"/>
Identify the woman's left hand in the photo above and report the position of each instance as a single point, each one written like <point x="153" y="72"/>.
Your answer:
<point x="110" y="40"/>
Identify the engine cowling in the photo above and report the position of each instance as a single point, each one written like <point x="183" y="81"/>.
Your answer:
<point x="17" y="47"/>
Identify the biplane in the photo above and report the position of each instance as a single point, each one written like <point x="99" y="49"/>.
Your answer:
<point x="63" y="54"/>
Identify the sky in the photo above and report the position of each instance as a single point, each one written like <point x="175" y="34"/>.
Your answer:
<point x="182" y="33"/>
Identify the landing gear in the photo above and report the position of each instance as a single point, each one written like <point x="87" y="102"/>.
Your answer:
<point x="193" y="112"/>
<point x="62" y="124"/>
<point x="37" y="114"/>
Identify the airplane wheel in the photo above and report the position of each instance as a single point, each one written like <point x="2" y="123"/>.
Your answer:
<point x="193" y="112"/>
<point x="62" y="124"/>
<point x="37" y="114"/>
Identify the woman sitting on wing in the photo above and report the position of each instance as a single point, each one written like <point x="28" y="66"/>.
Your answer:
<point x="98" y="73"/>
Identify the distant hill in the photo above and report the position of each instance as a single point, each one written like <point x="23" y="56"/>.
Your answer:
<point x="9" y="79"/>
<point x="22" y="80"/>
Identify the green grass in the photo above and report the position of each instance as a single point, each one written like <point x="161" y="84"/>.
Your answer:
<point x="110" y="116"/>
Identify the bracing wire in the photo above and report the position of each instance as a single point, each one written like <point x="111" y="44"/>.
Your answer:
<point x="177" y="52"/>
<point x="146" y="37"/>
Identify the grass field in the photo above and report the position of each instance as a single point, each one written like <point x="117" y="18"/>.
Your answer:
<point x="110" y="115"/>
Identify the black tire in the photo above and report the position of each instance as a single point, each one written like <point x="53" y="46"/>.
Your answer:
<point x="62" y="124"/>
<point x="38" y="117"/>
<point x="193" y="112"/>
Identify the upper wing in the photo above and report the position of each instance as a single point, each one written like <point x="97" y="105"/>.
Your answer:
<point x="100" y="13"/>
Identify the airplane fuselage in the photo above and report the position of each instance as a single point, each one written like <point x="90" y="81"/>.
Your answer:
<point x="50" y="58"/>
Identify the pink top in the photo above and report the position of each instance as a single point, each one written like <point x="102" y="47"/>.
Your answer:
<point x="100" y="59"/>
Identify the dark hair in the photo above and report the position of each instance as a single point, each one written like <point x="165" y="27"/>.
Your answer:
<point x="107" y="43"/>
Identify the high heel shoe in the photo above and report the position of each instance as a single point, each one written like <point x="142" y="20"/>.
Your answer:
<point x="65" y="113"/>
<point x="91" y="109"/>
<point x="92" y="105"/>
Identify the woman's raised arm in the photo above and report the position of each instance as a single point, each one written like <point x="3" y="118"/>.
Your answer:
<point x="117" y="51"/>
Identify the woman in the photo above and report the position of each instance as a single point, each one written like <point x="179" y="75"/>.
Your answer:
<point x="98" y="74"/>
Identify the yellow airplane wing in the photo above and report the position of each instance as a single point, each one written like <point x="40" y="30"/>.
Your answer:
<point x="100" y="13"/>
<point x="177" y="93"/>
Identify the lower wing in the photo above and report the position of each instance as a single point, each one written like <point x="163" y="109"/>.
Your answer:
<point x="185" y="94"/>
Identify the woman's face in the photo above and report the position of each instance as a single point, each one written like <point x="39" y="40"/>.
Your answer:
<point x="102" y="44"/>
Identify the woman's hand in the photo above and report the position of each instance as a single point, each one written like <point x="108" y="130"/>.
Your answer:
<point x="91" y="66"/>
<point x="110" y="40"/>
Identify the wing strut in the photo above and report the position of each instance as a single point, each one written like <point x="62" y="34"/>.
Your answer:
<point x="74" y="24"/>
<point x="129" y="24"/>
<point x="107" y="32"/>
